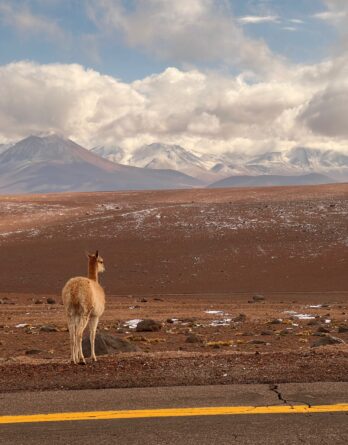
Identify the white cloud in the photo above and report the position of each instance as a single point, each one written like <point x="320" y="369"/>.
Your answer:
<point x="331" y="16"/>
<point x="202" y="111"/>
<point x="254" y="19"/>
<point x="336" y="12"/>
<point x="290" y="28"/>
<point x="186" y="32"/>
<point x="20" y="17"/>
<point x="326" y="113"/>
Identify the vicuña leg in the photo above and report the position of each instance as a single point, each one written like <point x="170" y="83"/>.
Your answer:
<point x="72" y="333"/>
<point x="81" y="325"/>
<point x="93" y="323"/>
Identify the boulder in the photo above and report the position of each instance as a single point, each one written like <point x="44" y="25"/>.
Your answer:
<point x="107" y="344"/>
<point x="49" y="328"/>
<point x="327" y="340"/>
<point x="258" y="297"/>
<point x="240" y="318"/>
<point x="342" y="329"/>
<point x="33" y="351"/>
<point x="323" y="329"/>
<point x="51" y="300"/>
<point x="256" y="342"/>
<point x="266" y="332"/>
<point x="193" y="338"/>
<point x="148" y="325"/>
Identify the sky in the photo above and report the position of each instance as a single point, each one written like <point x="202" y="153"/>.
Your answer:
<point x="210" y="75"/>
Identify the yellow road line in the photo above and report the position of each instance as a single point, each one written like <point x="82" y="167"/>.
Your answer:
<point x="173" y="412"/>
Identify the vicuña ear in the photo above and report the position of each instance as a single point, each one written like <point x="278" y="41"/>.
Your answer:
<point x="96" y="253"/>
<point x="88" y="255"/>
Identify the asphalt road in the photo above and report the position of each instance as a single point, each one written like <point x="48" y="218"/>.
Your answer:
<point x="330" y="427"/>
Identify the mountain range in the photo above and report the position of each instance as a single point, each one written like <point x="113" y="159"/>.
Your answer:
<point x="54" y="164"/>
<point x="41" y="164"/>
<point x="294" y="162"/>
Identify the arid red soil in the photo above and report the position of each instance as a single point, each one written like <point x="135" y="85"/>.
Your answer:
<point x="175" y="256"/>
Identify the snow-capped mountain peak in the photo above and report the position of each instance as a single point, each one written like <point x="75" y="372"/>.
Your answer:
<point x="114" y="154"/>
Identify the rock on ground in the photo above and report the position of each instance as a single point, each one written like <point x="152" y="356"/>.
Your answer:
<point x="327" y="340"/>
<point x="106" y="344"/>
<point x="148" y="325"/>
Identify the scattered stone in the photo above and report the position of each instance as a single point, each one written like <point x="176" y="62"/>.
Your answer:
<point x="6" y="301"/>
<point x="327" y="340"/>
<point x="256" y="342"/>
<point x="188" y="320"/>
<point x="193" y="338"/>
<point x="170" y="320"/>
<point x="284" y="332"/>
<point x="313" y="323"/>
<point x="266" y="332"/>
<point x="158" y="299"/>
<point x="323" y="329"/>
<point x="143" y="300"/>
<point x="51" y="300"/>
<point x="148" y="325"/>
<point x="258" y="297"/>
<point x="276" y="321"/>
<point x="49" y="328"/>
<point x="240" y="318"/>
<point x="342" y="329"/>
<point x="106" y="344"/>
<point x="32" y="351"/>
<point x="37" y="301"/>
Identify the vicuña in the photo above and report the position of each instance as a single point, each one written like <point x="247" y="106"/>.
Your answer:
<point x="84" y="302"/>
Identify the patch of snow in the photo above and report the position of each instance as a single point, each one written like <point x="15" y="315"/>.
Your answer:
<point x="300" y="316"/>
<point x="223" y="322"/>
<point x="215" y="312"/>
<point x="132" y="324"/>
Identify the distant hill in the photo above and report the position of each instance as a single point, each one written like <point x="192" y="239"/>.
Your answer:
<point x="271" y="180"/>
<point x="54" y="164"/>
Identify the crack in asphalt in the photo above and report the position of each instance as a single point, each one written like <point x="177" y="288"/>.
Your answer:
<point x="276" y="390"/>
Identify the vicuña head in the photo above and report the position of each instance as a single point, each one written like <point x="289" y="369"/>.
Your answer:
<point x="84" y="302"/>
<point x="95" y="265"/>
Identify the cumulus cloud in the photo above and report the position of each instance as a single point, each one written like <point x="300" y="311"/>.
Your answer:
<point x="181" y="31"/>
<point x="200" y="110"/>
<point x="326" y="112"/>
<point x="63" y="98"/>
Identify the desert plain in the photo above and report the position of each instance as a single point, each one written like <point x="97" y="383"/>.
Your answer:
<point x="245" y="285"/>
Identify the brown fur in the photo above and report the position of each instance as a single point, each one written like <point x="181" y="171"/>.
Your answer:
<point x="84" y="302"/>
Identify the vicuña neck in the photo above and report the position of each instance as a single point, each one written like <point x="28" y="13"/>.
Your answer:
<point x="92" y="271"/>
